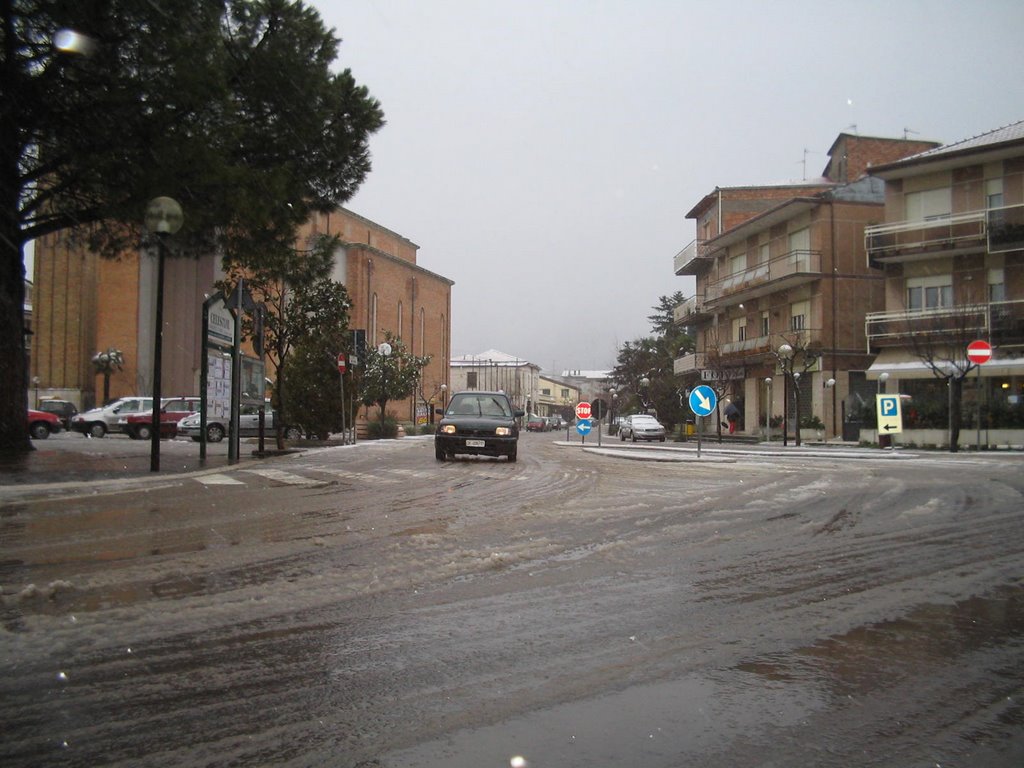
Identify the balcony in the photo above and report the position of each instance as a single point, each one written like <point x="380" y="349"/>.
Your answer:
<point x="690" y="310"/>
<point x="691" y="363"/>
<point x="1001" y="322"/>
<point x="692" y="260"/>
<point x="729" y="359"/>
<point x="997" y="229"/>
<point x="778" y="274"/>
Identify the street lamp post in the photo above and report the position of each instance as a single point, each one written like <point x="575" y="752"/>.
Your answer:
<point x="768" y="416"/>
<point x="644" y="384"/>
<point x="785" y="355"/>
<point x="163" y="219"/>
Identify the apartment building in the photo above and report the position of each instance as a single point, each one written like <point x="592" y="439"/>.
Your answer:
<point x="782" y="285"/>
<point x="84" y="304"/>
<point x="951" y="252"/>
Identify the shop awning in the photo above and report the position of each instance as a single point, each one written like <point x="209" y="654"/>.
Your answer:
<point x="901" y="364"/>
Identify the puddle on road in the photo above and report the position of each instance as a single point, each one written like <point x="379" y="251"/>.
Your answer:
<point x="731" y="712"/>
<point x="870" y="657"/>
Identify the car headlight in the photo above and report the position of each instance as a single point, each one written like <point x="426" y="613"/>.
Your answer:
<point x="448" y="429"/>
<point x="503" y="431"/>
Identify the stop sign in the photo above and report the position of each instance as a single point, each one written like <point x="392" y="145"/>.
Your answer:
<point x="583" y="410"/>
<point x="979" y="352"/>
<point x="341" y="363"/>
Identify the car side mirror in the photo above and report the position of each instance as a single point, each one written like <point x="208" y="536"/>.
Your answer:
<point x="439" y="411"/>
<point x="519" y="414"/>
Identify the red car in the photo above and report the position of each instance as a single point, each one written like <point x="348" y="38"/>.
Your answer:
<point x="139" y="426"/>
<point x="42" y="424"/>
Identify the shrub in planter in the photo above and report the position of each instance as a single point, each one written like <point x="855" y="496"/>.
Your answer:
<point x="376" y="431"/>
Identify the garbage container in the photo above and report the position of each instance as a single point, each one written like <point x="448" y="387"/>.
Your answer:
<point x="851" y="431"/>
<point x="691" y="429"/>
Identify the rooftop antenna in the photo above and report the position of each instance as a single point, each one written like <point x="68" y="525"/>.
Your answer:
<point x="854" y="126"/>
<point x="907" y="131"/>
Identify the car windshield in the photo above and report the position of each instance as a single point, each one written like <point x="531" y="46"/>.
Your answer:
<point x="479" y="405"/>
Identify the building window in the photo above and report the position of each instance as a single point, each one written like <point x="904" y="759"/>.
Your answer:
<point x="373" y="320"/>
<point x="764" y="324"/>
<point x="471" y="380"/>
<point x="565" y="394"/>
<point x="996" y="285"/>
<point x="546" y="391"/>
<point x="929" y="292"/>
<point x="927" y="205"/>
<point x="765" y="254"/>
<point x="798" y="312"/>
<point x="739" y="329"/>
<point x="401" y="318"/>
<point x="738" y="264"/>
<point x="800" y="247"/>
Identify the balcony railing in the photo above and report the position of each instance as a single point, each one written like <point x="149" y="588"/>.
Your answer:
<point x="790" y="265"/>
<point x="1000" y="229"/>
<point x="688" y="363"/>
<point x="1001" y="322"/>
<point x="690" y="309"/>
<point x="692" y="259"/>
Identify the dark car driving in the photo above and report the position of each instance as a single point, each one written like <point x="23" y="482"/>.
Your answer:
<point x="478" y="423"/>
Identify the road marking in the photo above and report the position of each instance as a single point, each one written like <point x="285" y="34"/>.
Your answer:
<point x="284" y="477"/>
<point x="362" y="477"/>
<point x="219" y="480"/>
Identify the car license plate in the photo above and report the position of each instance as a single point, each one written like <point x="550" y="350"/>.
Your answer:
<point x="475" y="443"/>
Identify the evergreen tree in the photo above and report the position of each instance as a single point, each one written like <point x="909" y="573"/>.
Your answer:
<point x="232" y="107"/>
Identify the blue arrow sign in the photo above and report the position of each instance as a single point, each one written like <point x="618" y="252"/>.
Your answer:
<point x="703" y="400"/>
<point x="583" y="426"/>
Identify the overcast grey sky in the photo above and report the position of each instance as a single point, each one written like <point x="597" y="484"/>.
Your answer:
<point x="543" y="155"/>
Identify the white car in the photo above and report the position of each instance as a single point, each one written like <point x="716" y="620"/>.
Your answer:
<point x="641" y="426"/>
<point x="97" y="422"/>
<point x="218" y="427"/>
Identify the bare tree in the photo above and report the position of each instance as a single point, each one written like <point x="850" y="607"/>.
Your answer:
<point x="939" y="338"/>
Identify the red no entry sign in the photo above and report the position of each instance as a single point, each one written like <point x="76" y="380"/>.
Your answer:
<point x="583" y="410"/>
<point x="979" y="352"/>
<point x="341" y="363"/>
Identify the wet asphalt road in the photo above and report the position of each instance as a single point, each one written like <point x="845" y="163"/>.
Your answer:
<point x="367" y="606"/>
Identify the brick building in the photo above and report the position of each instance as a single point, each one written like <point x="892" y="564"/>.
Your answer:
<point x="84" y="304"/>
<point x="785" y="265"/>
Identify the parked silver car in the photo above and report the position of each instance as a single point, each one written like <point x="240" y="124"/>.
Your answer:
<point x="97" y="422"/>
<point x="641" y="426"/>
<point x="217" y="428"/>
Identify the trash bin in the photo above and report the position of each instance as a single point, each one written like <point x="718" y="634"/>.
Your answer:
<point x="851" y="431"/>
<point x="691" y="429"/>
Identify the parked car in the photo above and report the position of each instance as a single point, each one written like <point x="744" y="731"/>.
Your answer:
<point x="139" y="426"/>
<point x="97" y="422"/>
<point x="479" y="424"/>
<point x="63" y="409"/>
<point x="641" y="426"/>
<point x="218" y="427"/>
<point x="555" y="423"/>
<point x="536" y="424"/>
<point x="42" y="424"/>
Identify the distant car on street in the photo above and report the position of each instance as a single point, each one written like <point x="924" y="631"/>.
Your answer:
<point x="478" y="423"/>
<point x="42" y="424"/>
<point x="641" y="426"/>
<point x="139" y="426"/>
<point x="537" y="424"/>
